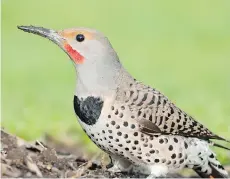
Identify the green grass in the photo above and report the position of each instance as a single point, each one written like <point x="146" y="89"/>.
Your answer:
<point x="179" y="47"/>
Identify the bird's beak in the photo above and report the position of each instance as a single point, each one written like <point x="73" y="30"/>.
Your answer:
<point x="47" y="33"/>
<point x="57" y="38"/>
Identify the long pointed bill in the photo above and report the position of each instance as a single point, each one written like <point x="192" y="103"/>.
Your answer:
<point x="47" y="33"/>
<point x="57" y="39"/>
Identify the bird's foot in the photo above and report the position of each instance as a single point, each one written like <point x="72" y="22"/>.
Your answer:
<point x="119" y="165"/>
<point x="114" y="169"/>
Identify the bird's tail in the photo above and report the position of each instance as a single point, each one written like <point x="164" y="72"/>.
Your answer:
<point x="213" y="170"/>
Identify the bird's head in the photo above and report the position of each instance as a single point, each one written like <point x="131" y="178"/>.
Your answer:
<point x="83" y="45"/>
<point x="94" y="58"/>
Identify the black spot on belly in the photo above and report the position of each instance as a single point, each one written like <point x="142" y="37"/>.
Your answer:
<point x="88" y="110"/>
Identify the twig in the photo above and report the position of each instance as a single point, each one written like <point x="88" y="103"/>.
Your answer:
<point x="32" y="166"/>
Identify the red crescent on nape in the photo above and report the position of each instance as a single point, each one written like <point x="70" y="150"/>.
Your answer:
<point x="76" y="57"/>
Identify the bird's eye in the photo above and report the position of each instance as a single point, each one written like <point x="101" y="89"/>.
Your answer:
<point x="80" y="37"/>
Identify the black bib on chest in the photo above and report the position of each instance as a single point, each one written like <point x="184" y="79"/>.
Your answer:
<point x="89" y="109"/>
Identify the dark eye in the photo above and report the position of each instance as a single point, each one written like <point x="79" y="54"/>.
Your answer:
<point x="80" y="37"/>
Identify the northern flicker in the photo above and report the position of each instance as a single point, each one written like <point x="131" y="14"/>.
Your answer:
<point x="139" y="127"/>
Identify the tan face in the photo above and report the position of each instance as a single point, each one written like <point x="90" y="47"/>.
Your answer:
<point x="72" y="33"/>
<point x="86" y="47"/>
<point x="75" y="38"/>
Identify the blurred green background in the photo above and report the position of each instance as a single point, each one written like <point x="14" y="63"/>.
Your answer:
<point x="179" y="47"/>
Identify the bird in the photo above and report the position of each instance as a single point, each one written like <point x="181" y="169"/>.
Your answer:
<point x="137" y="125"/>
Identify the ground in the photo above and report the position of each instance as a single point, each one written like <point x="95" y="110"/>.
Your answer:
<point x="25" y="159"/>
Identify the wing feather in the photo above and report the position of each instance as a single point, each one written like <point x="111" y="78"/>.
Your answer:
<point x="157" y="114"/>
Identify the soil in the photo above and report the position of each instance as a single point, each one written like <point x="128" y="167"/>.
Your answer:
<point x="20" y="158"/>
